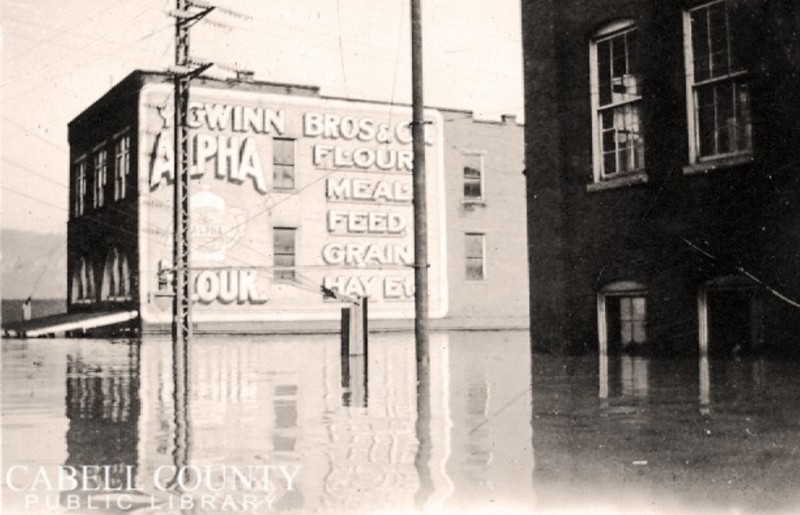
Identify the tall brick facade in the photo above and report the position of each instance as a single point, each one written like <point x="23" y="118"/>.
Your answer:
<point x="687" y="252"/>
<point x="293" y="191"/>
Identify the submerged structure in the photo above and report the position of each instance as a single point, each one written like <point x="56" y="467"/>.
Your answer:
<point x="662" y="175"/>
<point x="294" y="196"/>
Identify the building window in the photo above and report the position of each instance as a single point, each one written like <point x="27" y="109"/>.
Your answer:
<point x="79" y="192"/>
<point x="632" y="320"/>
<point x="116" y="277"/>
<point x="615" y="86"/>
<point x="474" y="250"/>
<point x="122" y="165"/>
<point x="473" y="177"/>
<point x="100" y="168"/>
<point x="283" y="164"/>
<point x="284" y="253"/>
<point x="83" y="282"/>
<point x="717" y="85"/>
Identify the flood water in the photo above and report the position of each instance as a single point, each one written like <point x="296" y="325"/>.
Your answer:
<point x="282" y="424"/>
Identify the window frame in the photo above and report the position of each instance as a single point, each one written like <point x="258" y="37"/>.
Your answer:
<point x="121" y="176"/>
<point x="734" y="77"/>
<point x="632" y="321"/>
<point x="481" y="155"/>
<point x="482" y="257"/>
<point x="98" y="186"/>
<point x="284" y="275"/>
<point x="116" y="277"/>
<point x="609" y="31"/>
<point x="293" y="164"/>
<point x="84" y="281"/>
<point x="624" y="288"/>
<point x="80" y="179"/>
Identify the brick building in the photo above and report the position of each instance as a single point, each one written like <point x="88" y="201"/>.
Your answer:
<point x="662" y="174"/>
<point x="292" y="191"/>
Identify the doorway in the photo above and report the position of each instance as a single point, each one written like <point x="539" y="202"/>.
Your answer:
<point x="622" y="318"/>
<point x="731" y="317"/>
<point x="734" y="322"/>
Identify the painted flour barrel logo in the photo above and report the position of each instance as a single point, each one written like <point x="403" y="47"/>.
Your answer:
<point x="215" y="227"/>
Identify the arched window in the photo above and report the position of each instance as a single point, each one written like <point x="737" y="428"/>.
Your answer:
<point x="116" y="277"/>
<point x="83" y="282"/>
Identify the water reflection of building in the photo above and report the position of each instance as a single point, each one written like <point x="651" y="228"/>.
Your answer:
<point x="659" y="432"/>
<point x="251" y="403"/>
<point x="490" y="456"/>
<point x="371" y="448"/>
<point x="662" y="143"/>
<point x="623" y="377"/>
<point x="103" y="408"/>
<point x="280" y="402"/>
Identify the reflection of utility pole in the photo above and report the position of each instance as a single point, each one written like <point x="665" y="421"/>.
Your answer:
<point x="420" y="203"/>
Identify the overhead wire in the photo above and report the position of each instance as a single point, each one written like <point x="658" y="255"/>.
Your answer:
<point x="80" y="49"/>
<point x="332" y="171"/>
<point x="62" y="247"/>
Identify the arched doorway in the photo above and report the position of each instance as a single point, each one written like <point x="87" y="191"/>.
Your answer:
<point x="622" y="317"/>
<point x="83" y="282"/>
<point x="116" y="277"/>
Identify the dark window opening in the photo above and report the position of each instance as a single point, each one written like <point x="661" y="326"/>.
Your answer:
<point x="284" y="253"/>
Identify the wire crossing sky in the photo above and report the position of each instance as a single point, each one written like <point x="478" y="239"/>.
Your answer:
<point x="58" y="57"/>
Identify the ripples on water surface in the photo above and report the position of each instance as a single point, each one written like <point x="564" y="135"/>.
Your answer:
<point x="500" y="432"/>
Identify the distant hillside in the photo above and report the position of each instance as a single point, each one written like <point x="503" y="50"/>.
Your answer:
<point x="33" y="264"/>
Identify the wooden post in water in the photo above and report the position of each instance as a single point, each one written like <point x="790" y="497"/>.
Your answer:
<point x="355" y="328"/>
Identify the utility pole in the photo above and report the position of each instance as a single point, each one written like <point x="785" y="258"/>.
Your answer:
<point x="420" y="201"/>
<point x="182" y="303"/>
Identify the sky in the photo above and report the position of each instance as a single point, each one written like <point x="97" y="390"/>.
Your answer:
<point x="58" y="57"/>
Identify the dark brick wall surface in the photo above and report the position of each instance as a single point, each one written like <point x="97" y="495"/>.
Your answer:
<point x="745" y="216"/>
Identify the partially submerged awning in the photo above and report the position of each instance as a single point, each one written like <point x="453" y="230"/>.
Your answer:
<point x="66" y="322"/>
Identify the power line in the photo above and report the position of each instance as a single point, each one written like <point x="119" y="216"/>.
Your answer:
<point x="34" y="172"/>
<point x="63" y="30"/>
<point x="35" y="135"/>
<point x="341" y="48"/>
<point x="61" y="60"/>
<point x="101" y="57"/>
<point x="29" y="197"/>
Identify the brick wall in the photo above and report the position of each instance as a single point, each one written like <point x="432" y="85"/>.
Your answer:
<point x="745" y="216"/>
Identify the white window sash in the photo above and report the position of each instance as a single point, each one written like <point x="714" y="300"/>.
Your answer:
<point x="606" y="33"/>
<point x="692" y="116"/>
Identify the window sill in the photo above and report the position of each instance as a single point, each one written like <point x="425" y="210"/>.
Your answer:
<point x="118" y="299"/>
<point x="618" y="182"/>
<point x="473" y="202"/>
<point x="717" y="164"/>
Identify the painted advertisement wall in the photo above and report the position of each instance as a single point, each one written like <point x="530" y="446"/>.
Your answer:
<point x="289" y="194"/>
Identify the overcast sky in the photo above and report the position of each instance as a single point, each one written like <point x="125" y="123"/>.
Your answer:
<point x="59" y="56"/>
